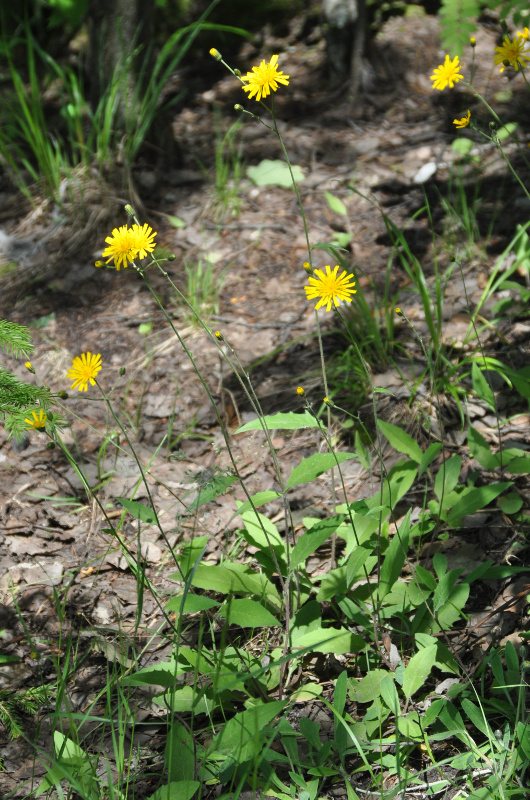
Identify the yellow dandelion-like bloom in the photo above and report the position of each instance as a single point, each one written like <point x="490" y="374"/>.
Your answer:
<point x="524" y="34"/>
<point x="512" y="53"/>
<point x="464" y="122"/>
<point x="84" y="369"/>
<point x="447" y="74"/>
<point x="330" y="287"/>
<point x="300" y="391"/>
<point x="143" y="236"/>
<point x="122" y="246"/>
<point x="262" y="79"/>
<point x="38" y="422"/>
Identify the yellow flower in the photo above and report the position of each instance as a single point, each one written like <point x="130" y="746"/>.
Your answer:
<point x="447" y="74"/>
<point x="512" y="53"/>
<point x="330" y="288"/>
<point x="264" y="78"/>
<point x="122" y="246"/>
<point x="300" y="391"/>
<point x="29" y="366"/>
<point x="524" y="34"/>
<point x="464" y="122"/>
<point x="84" y="369"/>
<point x="216" y="54"/>
<point x="143" y="239"/>
<point x="38" y="422"/>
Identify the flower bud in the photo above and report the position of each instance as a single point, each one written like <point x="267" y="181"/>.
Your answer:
<point x="62" y="395"/>
<point x="216" y="54"/>
<point x="122" y="371"/>
<point x="29" y="366"/>
<point x="472" y="41"/>
<point x="50" y="446"/>
<point x="130" y="210"/>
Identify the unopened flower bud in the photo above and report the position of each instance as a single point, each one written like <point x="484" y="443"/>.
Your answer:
<point x="328" y="401"/>
<point x="130" y="210"/>
<point x="99" y="264"/>
<point x="50" y="446"/>
<point x="122" y="371"/>
<point x="237" y="73"/>
<point x="399" y="312"/>
<point x="63" y="395"/>
<point x="472" y="41"/>
<point x="219" y="335"/>
<point x="171" y="257"/>
<point x="29" y="366"/>
<point x="216" y="54"/>
<point x="238" y="107"/>
<point x="308" y="268"/>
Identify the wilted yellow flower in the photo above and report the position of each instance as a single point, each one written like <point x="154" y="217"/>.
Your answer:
<point x="512" y="52"/>
<point x="330" y="287"/>
<point x="262" y="79"/>
<point x="464" y="122"/>
<point x="447" y="74"/>
<point x="84" y="369"/>
<point x="38" y="422"/>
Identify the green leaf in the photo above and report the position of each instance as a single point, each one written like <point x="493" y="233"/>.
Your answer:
<point x="242" y="736"/>
<point x="474" y="500"/>
<point x="144" y="328"/>
<point x="447" y="478"/>
<point x="138" y="510"/>
<point x="281" y="422"/>
<point x="274" y="173"/>
<point x="176" y="790"/>
<point x="429" y="456"/>
<point x="462" y="145"/>
<point x="482" y="387"/>
<point x="233" y="578"/>
<point x="506" y="131"/>
<point x="394" y="558"/>
<point x="331" y="640"/>
<point x="311" y="540"/>
<point x="258" y="499"/>
<point x="401" y="441"/>
<point x="215" y="487"/>
<point x="339" y="701"/>
<point x="247" y="614"/>
<point x="511" y="503"/>
<point x="418" y="670"/>
<point x="336" y="204"/>
<point x="480" y="449"/>
<point x="367" y="688"/>
<point x="193" y="603"/>
<point x="177" y="222"/>
<point x="310" y="468"/>
<point x="179" y="754"/>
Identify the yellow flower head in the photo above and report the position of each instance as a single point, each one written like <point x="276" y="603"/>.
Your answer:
<point x="447" y="74"/>
<point x="29" y="366"/>
<point x="300" y="391"/>
<point x="524" y="34"/>
<point x="512" y="53"/>
<point x="143" y="239"/>
<point x="472" y="41"/>
<point x="38" y="422"/>
<point x="262" y="79"/>
<point x="84" y="369"/>
<point x="330" y="287"/>
<point x="215" y="54"/>
<point x="464" y="122"/>
<point x="121" y="247"/>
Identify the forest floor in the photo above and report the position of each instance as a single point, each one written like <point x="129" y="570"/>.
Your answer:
<point x="398" y="131"/>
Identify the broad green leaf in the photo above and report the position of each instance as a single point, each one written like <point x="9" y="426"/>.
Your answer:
<point x="242" y="736"/>
<point x="482" y="387"/>
<point x="192" y="604"/>
<point x="367" y="688"/>
<point x="233" y="578"/>
<point x="274" y="173"/>
<point x="447" y="478"/>
<point x="339" y="701"/>
<point x="389" y="693"/>
<point x="506" y="131"/>
<point x="480" y="449"/>
<point x="362" y="452"/>
<point x="409" y="726"/>
<point x="247" y="614"/>
<point x="418" y="670"/>
<point x="310" y="468"/>
<point x="185" y="699"/>
<point x="258" y="499"/>
<point x="177" y="222"/>
<point x="398" y="482"/>
<point x="394" y="557"/>
<point x="288" y="421"/>
<point x="462" y="145"/>
<point x="429" y="456"/>
<point x="163" y="674"/>
<point x="332" y="640"/>
<point x="336" y="204"/>
<point x="477" y="717"/>
<point x="518" y="466"/>
<point x="357" y="559"/>
<point x="510" y="503"/>
<point x="215" y="487"/>
<point x="307" y="693"/>
<point x="138" y="510"/>
<point x="311" y="540"/>
<point x="176" y="790"/>
<point x="189" y="555"/>
<point x="260" y="531"/>
<point x="452" y="609"/>
<point x="445" y="587"/>
<point x="401" y="440"/>
<point x="179" y="756"/>
<point x="474" y="500"/>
